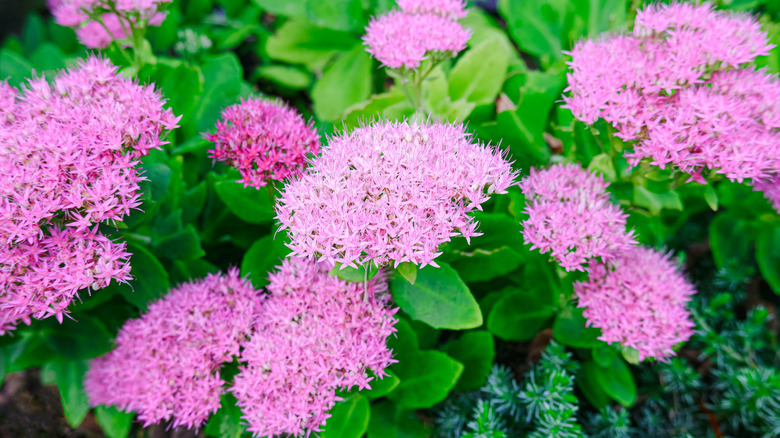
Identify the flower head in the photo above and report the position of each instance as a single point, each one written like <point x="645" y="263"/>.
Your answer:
<point x="264" y="141"/>
<point x="570" y="216"/>
<point x="68" y="163"/>
<point x="398" y="39"/>
<point x="681" y="88"/>
<point x="99" y="22"/>
<point x="391" y="192"/>
<point x="638" y="299"/>
<point x="166" y="363"/>
<point x="315" y="334"/>
<point x="452" y="9"/>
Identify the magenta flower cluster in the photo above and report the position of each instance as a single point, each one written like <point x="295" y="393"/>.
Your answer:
<point x="68" y="162"/>
<point x="166" y="363"/>
<point x="99" y="22"/>
<point x="311" y="335"/>
<point x="683" y="90"/>
<point x="264" y="140"/>
<point x="571" y="216"/>
<point x="315" y="334"/>
<point x="391" y="192"/>
<point x="638" y="299"/>
<point x="404" y="38"/>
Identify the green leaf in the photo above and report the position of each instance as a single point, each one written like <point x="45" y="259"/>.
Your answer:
<point x="388" y="421"/>
<point x="604" y="355"/>
<point x="438" y="298"/>
<point x="13" y="67"/>
<point x="33" y="34"/>
<point x="298" y="42"/>
<point x="286" y="76"/>
<point x="83" y="338"/>
<point x="656" y="201"/>
<point x="616" y="381"/>
<point x="183" y="86"/>
<point x="476" y="351"/>
<point x="182" y="245"/>
<point x="150" y="279"/>
<point x="289" y="8"/>
<point x="485" y="265"/>
<point x="768" y="256"/>
<point x="731" y="239"/>
<point x="47" y="58"/>
<point x="259" y="260"/>
<point x="382" y="387"/>
<point x="711" y="196"/>
<point x="358" y="275"/>
<point x="115" y="423"/>
<point x="159" y="179"/>
<point x="408" y="271"/>
<point x="349" y="418"/>
<point x="69" y="376"/>
<point x="391" y="105"/>
<point x="570" y="329"/>
<point x="602" y="163"/>
<point x="248" y="203"/>
<point x="344" y="15"/>
<point x="538" y="27"/>
<point x="479" y="74"/>
<point x="331" y="95"/>
<point x="222" y="78"/>
<point x="427" y="377"/>
<point x="226" y="422"/>
<point x="519" y="315"/>
<point x="588" y="382"/>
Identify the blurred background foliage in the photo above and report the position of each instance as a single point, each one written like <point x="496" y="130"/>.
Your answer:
<point x="518" y="361"/>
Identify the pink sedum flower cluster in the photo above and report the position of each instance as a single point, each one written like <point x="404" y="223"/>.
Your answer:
<point x="264" y="140"/>
<point x="391" y="192"/>
<point x="118" y="17"/>
<point x="638" y="299"/>
<point x="403" y="39"/>
<point x="570" y="216"/>
<point x="166" y="363"/>
<point x="682" y="89"/>
<point x="771" y="189"/>
<point x="67" y="163"/>
<point x="314" y="335"/>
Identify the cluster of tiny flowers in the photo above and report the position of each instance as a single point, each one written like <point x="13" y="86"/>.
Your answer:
<point x="264" y="140"/>
<point x="68" y="162"/>
<point x="771" y="189"/>
<point x="315" y="334"/>
<point x="99" y="22"/>
<point x="683" y="90"/>
<point x="166" y="363"/>
<point x="403" y="39"/>
<point x="570" y="215"/>
<point x="391" y="192"/>
<point x="638" y="299"/>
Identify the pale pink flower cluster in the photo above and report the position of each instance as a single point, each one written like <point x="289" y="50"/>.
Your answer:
<point x="264" y="140"/>
<point x="452" y="9"/>
<point x="571" y="216"/>
<point x="771" y="189"/>
<point x="638" y="299"/>
<point x="67" y="163"/>
<point x="316" y="334"/>
<point x="403" y="39"/>
<point x="166" y="363"/>
<point x="99" y="22"/>
<point x="682" y="89"/>
<point x="391" y="192"/>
